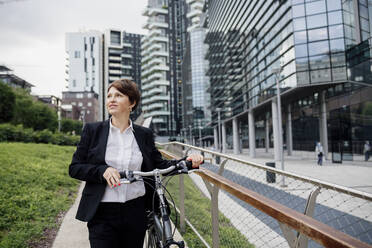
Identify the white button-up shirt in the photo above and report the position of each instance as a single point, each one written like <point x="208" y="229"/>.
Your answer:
<point x="123" y="153"/>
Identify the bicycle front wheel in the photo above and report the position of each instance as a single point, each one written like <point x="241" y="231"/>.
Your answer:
<point x="152" y="240"/>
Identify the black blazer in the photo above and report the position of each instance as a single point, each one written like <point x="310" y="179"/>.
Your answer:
<point x="88" y="164"/>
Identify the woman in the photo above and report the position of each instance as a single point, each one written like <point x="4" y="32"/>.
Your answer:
<point x="116" y="213"/>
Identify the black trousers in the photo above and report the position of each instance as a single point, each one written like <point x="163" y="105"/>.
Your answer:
<point x="118" y="225"/>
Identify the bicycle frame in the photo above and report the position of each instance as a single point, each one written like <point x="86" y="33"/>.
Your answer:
<point x="161" y="223"/>
<point x="165" y="230"/>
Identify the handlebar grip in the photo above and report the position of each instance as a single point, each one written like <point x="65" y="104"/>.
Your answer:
<point x="188" y="164"/>
<point x="122" y="174"/>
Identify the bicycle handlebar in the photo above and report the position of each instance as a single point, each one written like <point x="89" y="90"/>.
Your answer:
<point x="183" y="167"/>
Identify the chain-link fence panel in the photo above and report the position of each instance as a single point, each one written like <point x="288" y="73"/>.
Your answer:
<point x="240" y="224"/>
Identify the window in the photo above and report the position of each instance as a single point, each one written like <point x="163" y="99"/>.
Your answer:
<point x="74" y="83"/>
<point x="336" y="31"/>
<point x="298" y="10"/>
<point x="299" y="24"/>
<point x="301" y="50"/>
<point x="315" y="7"/>
<point x="79" y="95"/>
<point x="300" y="37"/>
<point x="319" y="47"/>
<point x="316" y="21"/>
<point x="77" y="54"/>
<point x="89" y="104"/>
<point x="80" y="104"/>
<point x="318" y="34"/>
<point x="334" y="17"/>
<point x="334" y="5"/>
<point x="337" y="45"/>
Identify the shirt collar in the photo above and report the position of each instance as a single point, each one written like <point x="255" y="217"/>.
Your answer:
<point x="112" y="127"/>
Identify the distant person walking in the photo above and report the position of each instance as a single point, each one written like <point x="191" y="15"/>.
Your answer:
<point x="319" y="153"/>
<point x="366" y="150"/>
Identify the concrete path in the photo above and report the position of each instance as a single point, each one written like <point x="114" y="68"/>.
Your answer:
<point x="354" y="174"/>
<point x="72" y="233"/>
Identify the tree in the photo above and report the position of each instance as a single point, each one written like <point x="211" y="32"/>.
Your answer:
<point x="7" y="102"/>
<point x="33" y="114"/>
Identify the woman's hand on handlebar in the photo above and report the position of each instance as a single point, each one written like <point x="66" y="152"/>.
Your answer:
<point x="196" y="159"/>
<point x="112" y="177"/>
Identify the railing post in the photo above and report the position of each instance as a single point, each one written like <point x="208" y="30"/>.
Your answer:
<point x="215" y="223"/>
<point x="182" y="205"/>
<point x="213" y="191"/>
<point x="182" y="199"/>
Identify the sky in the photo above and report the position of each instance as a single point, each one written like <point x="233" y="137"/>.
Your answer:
<point x="32" y="34"/>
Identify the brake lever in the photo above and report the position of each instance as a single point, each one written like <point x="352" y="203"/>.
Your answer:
<point x="129" y="178"/>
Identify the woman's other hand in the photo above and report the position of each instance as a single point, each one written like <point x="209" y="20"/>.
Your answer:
<point x="112" y="177"/>
<point x="196" y="159"/>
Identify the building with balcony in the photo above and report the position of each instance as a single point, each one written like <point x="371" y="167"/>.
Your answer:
<point x="162" y="55"/>
<point x="8" y="77"/>
<point x="122" y="60"/>
<point x="318" y="51"/>
<point x="84" y="66"/>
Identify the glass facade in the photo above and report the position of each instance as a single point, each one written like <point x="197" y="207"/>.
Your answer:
<point x="132" y="57"/>
<point x="317" y="45"/>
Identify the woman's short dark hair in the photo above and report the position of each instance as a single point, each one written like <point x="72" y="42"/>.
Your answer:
<point x="128" y="88"/>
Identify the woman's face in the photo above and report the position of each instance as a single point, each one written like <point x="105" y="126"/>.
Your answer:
<point x="117" y="103"/>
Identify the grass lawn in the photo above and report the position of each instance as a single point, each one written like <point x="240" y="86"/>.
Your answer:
<point x="35" y="189"/>
<point x="198" y="212"/>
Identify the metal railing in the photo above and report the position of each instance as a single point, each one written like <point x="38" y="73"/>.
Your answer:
<point x="305" y="213"/>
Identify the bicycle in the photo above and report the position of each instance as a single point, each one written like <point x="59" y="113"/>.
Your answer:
<point x="159" y="232"/>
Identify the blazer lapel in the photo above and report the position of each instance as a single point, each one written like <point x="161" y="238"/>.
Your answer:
<point x="103" y="137"/>
<point x="140" y="138"/>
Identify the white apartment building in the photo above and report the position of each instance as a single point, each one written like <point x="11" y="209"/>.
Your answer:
<point x="84" y="66"/>
<point x="155" y="67"/>
<point x="194" y="13"/>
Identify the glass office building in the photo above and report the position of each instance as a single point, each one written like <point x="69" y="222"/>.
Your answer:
<point x="196" y="99"/>
<point x="320" y="51"/>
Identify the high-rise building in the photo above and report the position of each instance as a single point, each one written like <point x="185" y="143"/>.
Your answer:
<point x="132" y="56"/>
<point x="318" y="51"/>
<point x="162" y="55"/>
<point x="84" y="71"/>
<point x="122" y="60"/>
<point x="196" y="99"/>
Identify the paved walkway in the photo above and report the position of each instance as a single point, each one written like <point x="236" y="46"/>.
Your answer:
<point x="354" y="174"/>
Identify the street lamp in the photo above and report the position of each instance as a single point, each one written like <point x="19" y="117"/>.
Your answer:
<point x="200" y="128"/>
<point x="219" y="129"/>
<point x="277" y="72"/>
<point x="190" y="127"/>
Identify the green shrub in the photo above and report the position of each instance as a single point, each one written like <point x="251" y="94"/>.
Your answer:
<point x="44" y="136"/>
<point x="70" y="126"/>
<point x="18" y="133"/>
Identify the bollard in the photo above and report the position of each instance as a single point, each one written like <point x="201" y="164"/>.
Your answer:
<point x="270" y="176"/>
